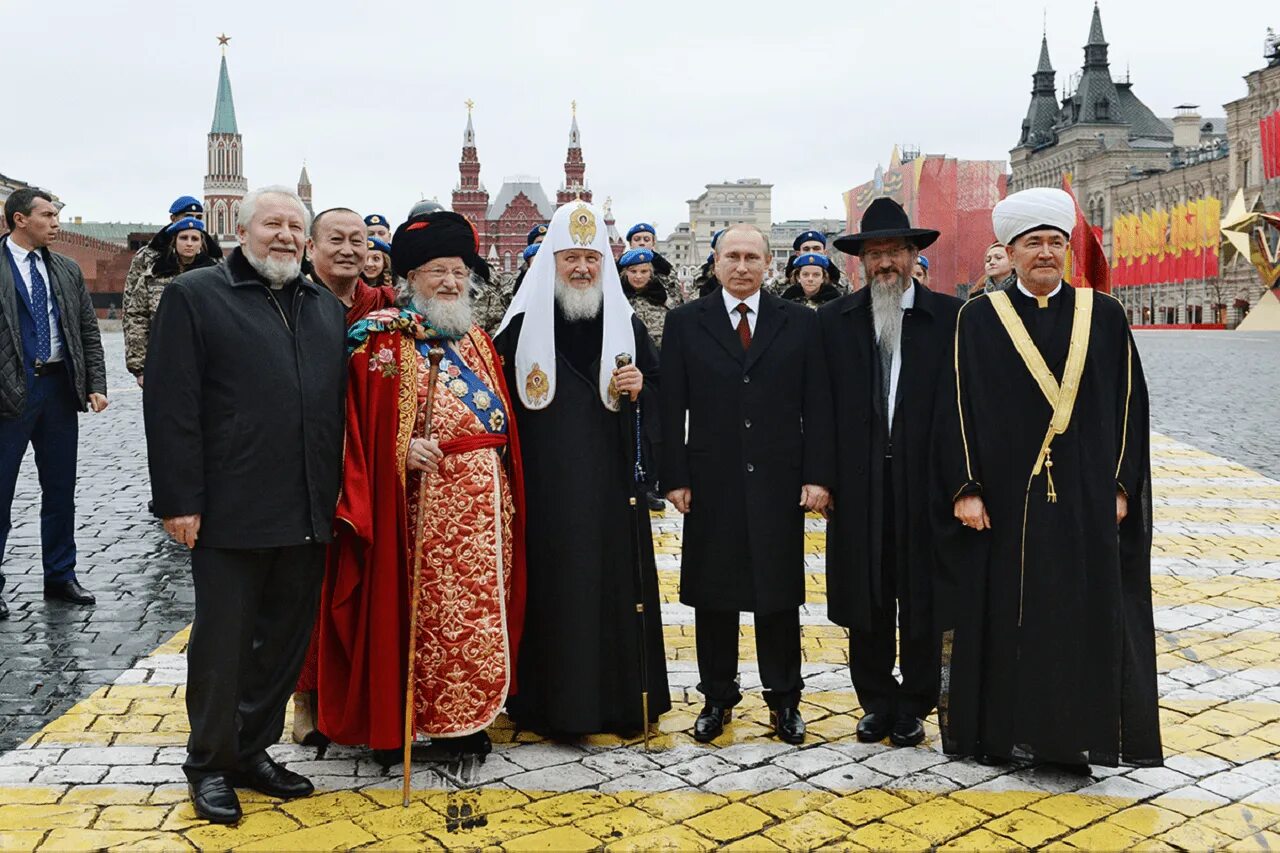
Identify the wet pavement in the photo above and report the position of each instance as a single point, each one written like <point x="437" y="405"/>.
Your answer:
<point x="92" y="698"/>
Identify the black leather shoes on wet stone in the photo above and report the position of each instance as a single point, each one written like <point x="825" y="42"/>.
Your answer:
<point x="788" y="725"/>
<point x="874" y="727"/>
<point x="215" y="800"/>
<point x="4" y="609"/>
<point x="69" y="591"/>
<point x="274" y="780"/>
<point x="907" y="731"/>
<point x="710" y="722"/>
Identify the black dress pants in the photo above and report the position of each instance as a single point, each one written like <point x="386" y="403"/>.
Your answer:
<point x="871" y="652"/>
<point x="253" y="617"/>
<point x="777" y="651"/>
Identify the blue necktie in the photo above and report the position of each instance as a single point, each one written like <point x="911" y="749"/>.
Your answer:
<point x="40" y="308"/>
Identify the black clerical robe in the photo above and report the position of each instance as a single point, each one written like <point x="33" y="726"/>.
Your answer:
<point x="1048" y="645"/>
<point x="579" y="663"/>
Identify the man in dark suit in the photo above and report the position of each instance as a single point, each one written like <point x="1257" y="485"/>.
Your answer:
<point x="51" y="368"/>
<point x="747" y="370"/>
<point x="244" y="406"/>
<point x="889" y="349"/>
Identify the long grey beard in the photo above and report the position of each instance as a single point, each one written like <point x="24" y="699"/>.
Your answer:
<point x="579" y="304"/>
<point x="277" y="273"/>
<point x="886" y="313"/>
<point x="451" y="319"/>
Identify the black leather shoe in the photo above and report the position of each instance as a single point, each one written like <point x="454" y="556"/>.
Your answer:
<point x="387" y="758"/>
<point x="69" y="591"/>
<point x="874" y="727"/>
<point x="477" y="744"/>
<point x="4" y="609"/>
<point x="788" y="725"/>
<point x="907" y="731"/>
<point x="710" y="722"/>
<point x="215" y="800"/>
<point x="274" y="780"/>
<point x="986" y="759"/>
<point x="1081" y="768"/>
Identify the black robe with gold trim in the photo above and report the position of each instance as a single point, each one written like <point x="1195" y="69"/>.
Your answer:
<point x="1048" y="643"/>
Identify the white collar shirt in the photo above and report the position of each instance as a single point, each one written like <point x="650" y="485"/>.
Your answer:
<point x="731" y="304"/>
<point x="21" y="261"/>
<point x="908" y="302"/>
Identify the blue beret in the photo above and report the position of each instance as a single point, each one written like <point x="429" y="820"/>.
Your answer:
<point x="529" y="252"/>
<point x="379" y="245"/>
<point x="806" y="237"/>
<point x="715" y="238"/>
<point x="535" y="232"/>
<point x="812" y="259"/>
<point x="376" y="219"/>
<point x="633" y="257"/>
<point x="185" y="204"/>
<point x="186" y="223"/>
<point x="923" y="262"/>
<point x="640" y="227"/>
<point x="711" y="256"/>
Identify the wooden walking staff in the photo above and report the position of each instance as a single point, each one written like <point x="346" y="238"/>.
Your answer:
<point x="632" y="414"/>
<point x="433" y="374"/>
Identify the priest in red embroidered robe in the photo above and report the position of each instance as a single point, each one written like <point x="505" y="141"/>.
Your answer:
<point x="1043" y="503"/>
<point x="469" y="523"/>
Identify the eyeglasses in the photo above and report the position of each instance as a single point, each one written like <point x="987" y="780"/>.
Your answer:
<point x="438" y="274"/>
<point x="876" y="255"/>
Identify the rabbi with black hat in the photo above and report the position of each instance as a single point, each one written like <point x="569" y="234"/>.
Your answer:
<point x="888" y="346"/>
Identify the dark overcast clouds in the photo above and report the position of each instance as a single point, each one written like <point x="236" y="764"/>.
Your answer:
<point x="671" y="95"/>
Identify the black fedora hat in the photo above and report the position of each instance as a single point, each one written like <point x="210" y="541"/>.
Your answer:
<point x="885" y="219"/>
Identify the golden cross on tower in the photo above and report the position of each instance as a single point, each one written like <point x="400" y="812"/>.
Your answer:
<point x="470" y="105"/>
<point x="222" y="42"/>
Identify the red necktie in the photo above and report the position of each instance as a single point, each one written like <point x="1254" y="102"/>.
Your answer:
<point x="744" y="328"/>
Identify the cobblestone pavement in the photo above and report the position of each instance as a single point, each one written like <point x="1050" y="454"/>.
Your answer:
<point x="105" y="773"/>
<point x="1217" y="390"/>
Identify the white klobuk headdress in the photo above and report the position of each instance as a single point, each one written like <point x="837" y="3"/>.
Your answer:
<point x="576" y="225"/>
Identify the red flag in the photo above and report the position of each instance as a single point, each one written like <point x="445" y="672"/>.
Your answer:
<point x="1089" y="265"/>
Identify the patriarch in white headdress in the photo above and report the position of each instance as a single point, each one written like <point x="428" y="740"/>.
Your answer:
<point x="577" y="226"/>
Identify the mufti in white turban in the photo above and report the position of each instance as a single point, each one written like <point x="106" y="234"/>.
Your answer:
<point x="1039" y="207"/>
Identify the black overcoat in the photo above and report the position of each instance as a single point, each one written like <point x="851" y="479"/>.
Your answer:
<point x="855" y="531"/>
<point x="759" y="427"/>
<point x="245" y="412"/>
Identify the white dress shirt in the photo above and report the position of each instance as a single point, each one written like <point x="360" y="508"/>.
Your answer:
<point x="908" y="302"/>
<point x="1026" y="292"/>
<point x="731" y="304"/>
<point x="24" y="269"/>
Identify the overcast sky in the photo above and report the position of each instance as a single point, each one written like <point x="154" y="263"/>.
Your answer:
<point x="671" y="95"/>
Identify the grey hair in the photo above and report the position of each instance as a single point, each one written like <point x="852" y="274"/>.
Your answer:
<point x="745" y="226"/>
<point x="249" y="204"/>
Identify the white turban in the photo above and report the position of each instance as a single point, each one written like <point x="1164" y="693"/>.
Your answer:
<point x="576" y="225"/>
<point x="1039" y="207"/>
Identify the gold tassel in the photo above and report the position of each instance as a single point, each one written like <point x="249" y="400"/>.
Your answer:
<point x="1048" y="474"/>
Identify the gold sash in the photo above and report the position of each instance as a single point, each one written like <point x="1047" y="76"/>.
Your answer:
<point x="1061" y="397"/>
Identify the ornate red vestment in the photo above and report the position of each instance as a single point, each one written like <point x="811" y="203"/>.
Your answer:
<point x="471" y="609"/>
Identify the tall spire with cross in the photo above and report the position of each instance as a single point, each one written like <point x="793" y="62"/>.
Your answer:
<point x="470" y="198"/>
<point x="575" y="168"/>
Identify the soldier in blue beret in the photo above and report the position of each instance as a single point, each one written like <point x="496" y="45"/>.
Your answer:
<point x="377" y="270"/>
<point x="185" y="205"/>
<point x="809" y="241"/>
<point x="375" y="225"/>
<point x="921" y="271"/>
<point x="811" y="277"/>
<point x="536" y="233"/>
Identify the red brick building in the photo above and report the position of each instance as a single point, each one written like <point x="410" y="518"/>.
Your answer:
<point x="504" y="222"/>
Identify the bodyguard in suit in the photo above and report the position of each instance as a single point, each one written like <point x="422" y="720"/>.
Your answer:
<point x="244" y="401"/>
<point x="889" y="349"/>
<point x="746" y="369"/>
<point x="51" y="368"/>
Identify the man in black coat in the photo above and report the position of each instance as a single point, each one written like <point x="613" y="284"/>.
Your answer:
<point x="51" y="369"/>
<point x="759" y="453"/>
<point x="888" y="347"/>
<point x="244" y="406"/>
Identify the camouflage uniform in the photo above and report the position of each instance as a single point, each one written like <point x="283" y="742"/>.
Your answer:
<point x="142" y="294"/>
<point x="651" y="314"/>
<point x="491" y="301"/>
